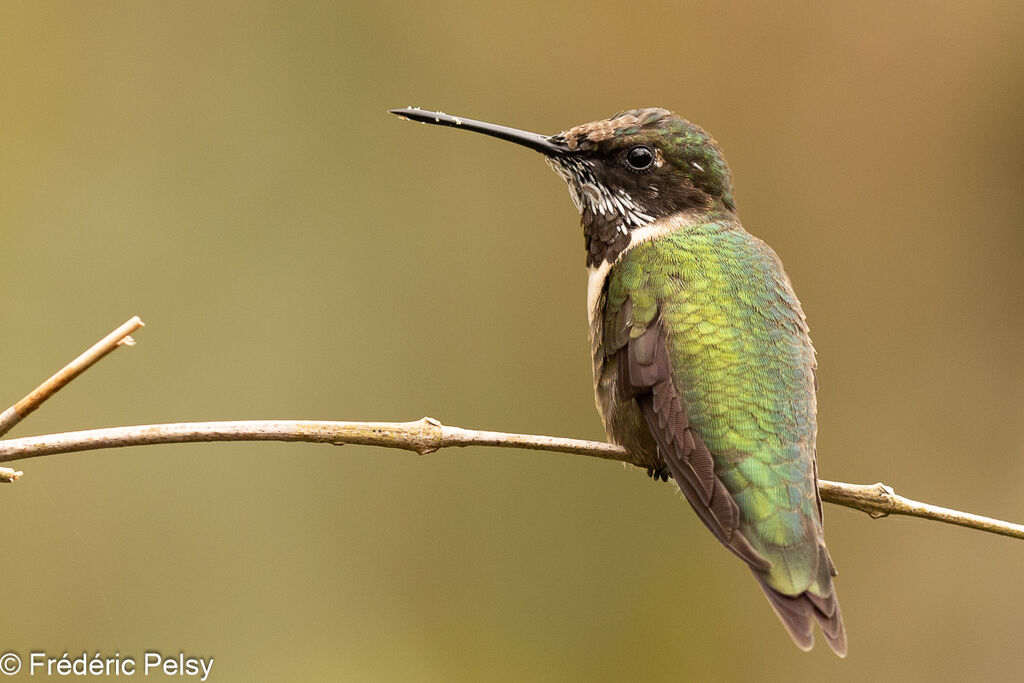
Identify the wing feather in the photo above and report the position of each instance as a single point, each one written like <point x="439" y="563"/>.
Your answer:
<point x="645" y="374"/>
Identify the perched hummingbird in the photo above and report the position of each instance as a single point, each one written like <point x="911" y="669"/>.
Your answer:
<point x="703" y="367"/>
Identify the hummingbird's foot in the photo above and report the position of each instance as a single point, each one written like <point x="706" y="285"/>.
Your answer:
<point x="659" y="473"/>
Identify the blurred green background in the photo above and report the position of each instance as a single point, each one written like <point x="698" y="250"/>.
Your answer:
<point x="228" y="172"/>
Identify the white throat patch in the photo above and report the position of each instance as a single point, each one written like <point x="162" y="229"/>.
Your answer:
<point x="588" y="193"/>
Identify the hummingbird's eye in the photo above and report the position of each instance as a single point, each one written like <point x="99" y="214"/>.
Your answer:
<point x="640" y="157"/>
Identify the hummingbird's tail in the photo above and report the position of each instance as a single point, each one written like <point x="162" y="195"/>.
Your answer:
<point x="799" y="612"/>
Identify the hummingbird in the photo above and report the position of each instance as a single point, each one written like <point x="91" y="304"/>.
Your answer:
<point x="703" y="365"/>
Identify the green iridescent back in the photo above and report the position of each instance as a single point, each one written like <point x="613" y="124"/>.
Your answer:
<point x="743" y="363"/>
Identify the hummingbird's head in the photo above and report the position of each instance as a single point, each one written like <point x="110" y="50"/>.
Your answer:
<point x="635" y="167"/>
<point x="623" y="172"/>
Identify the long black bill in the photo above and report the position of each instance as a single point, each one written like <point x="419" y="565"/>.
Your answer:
<point x="539" y="143"/>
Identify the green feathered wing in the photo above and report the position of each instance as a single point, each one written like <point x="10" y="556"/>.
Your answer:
<point x="703" y="362"/>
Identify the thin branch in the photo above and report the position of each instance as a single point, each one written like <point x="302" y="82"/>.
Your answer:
<point x="879" y="500"/>
<point x="428" y="435"/>
<point x="119" y="337"/>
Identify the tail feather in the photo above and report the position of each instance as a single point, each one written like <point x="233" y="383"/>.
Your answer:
<point x="799" y="612"/>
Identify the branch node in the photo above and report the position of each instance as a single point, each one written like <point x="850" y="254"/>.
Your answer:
<point x="884" y="490"/>
<point x="429" y="436"/>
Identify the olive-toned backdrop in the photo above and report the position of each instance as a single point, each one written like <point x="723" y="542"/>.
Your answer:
<point x="227" y="171"/>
